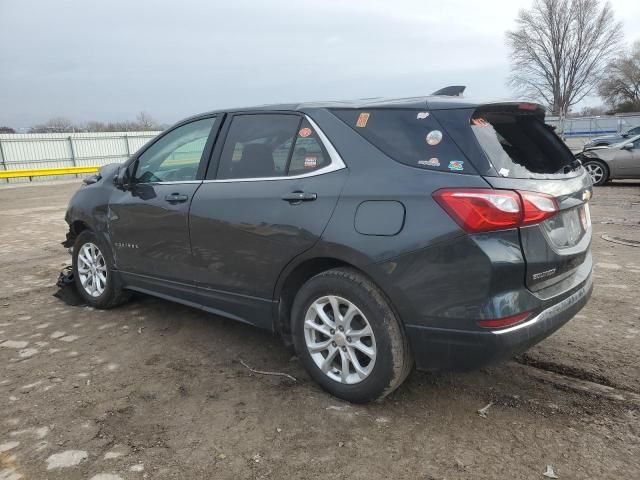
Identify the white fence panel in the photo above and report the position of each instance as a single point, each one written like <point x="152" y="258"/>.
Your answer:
<point x="51" y="150"/>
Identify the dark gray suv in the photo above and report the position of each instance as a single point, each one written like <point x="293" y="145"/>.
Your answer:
<point x="372" y="235"/>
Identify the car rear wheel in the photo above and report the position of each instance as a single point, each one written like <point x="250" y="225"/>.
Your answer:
<point x="93" y="273"/>
<point x="598" y="171"/>
<point x="348" y="337"/>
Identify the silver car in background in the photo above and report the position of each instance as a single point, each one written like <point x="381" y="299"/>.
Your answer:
<point x="607" y="140"/>
<point x="617" y="161"/>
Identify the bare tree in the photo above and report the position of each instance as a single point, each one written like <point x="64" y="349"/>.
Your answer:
<point x="55" y="125"/>
<point x="143" y="122"/>
<point x="7" y="130"/>
<point x="590" y="111"/>
<point x="621" y="86"/>
<point x="146" y="122"/>
<point x="560" y="49"/>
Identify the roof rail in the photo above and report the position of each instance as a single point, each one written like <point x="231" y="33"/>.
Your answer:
<point x="451" y="91"/>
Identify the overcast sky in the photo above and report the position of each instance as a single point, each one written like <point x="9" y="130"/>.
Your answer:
<point x="109" y="60"/>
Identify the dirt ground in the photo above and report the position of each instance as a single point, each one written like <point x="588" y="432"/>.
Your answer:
<point x="156" y="390"/>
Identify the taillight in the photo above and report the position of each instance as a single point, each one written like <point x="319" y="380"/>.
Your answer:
<point x="484" y="210"/>
<point x="537" y="207"/>
<point x="505" y="321"/>
<point x="528" y="106"/>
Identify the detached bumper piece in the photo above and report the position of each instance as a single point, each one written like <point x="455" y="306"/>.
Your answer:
<point x="67" y="291"/>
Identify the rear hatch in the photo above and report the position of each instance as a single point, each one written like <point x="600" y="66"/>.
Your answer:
<point x="513" y="149"/>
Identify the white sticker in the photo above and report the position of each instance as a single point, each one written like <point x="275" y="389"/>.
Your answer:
<point x="422" y="115"/>
<point x="434" y="137"/>
<point x="504" y="172"/>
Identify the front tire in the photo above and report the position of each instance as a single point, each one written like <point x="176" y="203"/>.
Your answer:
<point x="348" y="337"/>
<point x="93" y="273"/>
<point x="598" y="171"/>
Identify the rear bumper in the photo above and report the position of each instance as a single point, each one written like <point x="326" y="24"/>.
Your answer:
<point x="442" y="348"/>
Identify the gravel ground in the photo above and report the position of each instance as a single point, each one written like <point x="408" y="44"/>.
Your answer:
<point x="157" y="390"/>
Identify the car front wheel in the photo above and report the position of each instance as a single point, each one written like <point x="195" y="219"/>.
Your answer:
<point x="93" y="273"/>
<point x="348" y="337"/>
<point x="597" y="170"/>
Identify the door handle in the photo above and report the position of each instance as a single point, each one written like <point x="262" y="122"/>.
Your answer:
<point x="297" y="197"/>
<point x="176" y="198"/>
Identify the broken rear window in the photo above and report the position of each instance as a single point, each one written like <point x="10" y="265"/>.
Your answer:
<point x="520" y="145"/>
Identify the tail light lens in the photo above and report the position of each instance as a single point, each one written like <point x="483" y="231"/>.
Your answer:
<point x="505" y="321"/>
<point x="537" y="207"/>
<point x="484" y="210"/>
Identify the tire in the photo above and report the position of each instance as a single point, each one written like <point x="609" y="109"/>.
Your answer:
<point x="350" y="291"/>
<point x="598" y="171"/>
<point x="89" y="246"/>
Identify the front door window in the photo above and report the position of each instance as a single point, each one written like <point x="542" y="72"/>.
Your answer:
<point x="176" y="156"/>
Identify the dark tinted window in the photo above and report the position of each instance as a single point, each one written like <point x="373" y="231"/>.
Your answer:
<point x="409" y="136"/>
<point x="308" y="153"/>
<point x="258" y="146"/>
<point x="519" y="145"/>
<point x="175" y="156"/>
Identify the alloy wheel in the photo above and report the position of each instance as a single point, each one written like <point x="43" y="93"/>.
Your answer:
<point x="595" y="171"/>
<point x="340" y="339"/>
<point x="92" y="270"/>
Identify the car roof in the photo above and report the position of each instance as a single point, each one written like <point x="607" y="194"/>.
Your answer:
<point x="430" y="102"/>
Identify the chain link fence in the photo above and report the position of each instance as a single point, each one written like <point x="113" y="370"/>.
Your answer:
<point x="578" y="131"/>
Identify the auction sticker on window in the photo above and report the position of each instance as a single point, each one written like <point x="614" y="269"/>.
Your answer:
<point x="434" y="137"/>
<point x="363" y="118"/>
<point x="310" y="161"/>
<point x="432" y="162"/>
<point x="456" y="165"/>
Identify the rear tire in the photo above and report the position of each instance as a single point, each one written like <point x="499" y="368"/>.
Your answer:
<point x="363" y="354"/>
<point x="93" y="273"/>
<point x="598" y="171"/>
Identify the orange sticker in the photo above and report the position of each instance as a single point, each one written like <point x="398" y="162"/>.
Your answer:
<point x="363" y="118"/>
<point x="304" y="132"/>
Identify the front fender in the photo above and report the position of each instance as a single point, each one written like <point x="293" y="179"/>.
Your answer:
<point x="89" y="208"/>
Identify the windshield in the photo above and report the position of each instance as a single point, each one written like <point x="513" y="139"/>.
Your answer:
<point x="625" y="141"/>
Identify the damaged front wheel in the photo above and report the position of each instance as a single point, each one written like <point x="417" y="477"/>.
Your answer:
<point x="93" y="273"/>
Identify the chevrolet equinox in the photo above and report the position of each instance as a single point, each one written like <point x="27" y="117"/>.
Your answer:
<point x="371" y="235"/>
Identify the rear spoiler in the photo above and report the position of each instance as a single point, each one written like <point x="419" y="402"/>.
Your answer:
<point x="451" y="91"/>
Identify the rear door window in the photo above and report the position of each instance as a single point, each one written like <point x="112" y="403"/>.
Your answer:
<point x="258" y="146"/>
<point x="411" y="137"/>
<point x="520" y="145"/>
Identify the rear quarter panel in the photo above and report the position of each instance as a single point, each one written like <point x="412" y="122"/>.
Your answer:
<point x="386" y="258"/>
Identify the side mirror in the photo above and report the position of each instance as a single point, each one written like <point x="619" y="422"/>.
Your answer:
<point x="118" y="179"/>
<point x="122" y="178"/>
<point x="627" y="146"/>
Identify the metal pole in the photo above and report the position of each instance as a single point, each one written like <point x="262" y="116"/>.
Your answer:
<point x="126" y="142"/>
<point x="73" y="152"/>
<point x="2" y="157"/>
